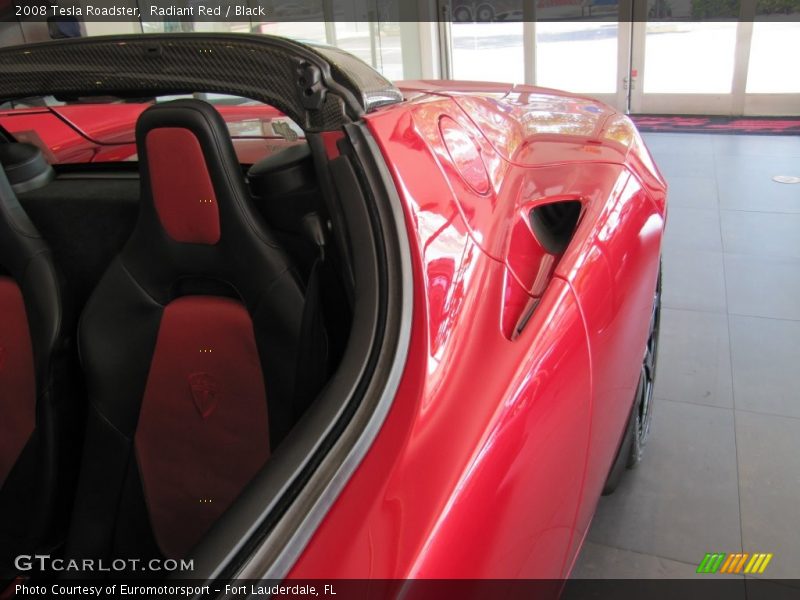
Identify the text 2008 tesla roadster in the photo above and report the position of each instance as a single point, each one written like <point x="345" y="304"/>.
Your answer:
<point x="267" y="313"/>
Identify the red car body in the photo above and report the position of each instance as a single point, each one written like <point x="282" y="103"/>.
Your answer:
<point x="493" y="457"/>
<point x="496" y="448"/>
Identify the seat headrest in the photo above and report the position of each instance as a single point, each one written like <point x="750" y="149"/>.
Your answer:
<point x="25" y="166"/>
<point x="189" y="158"/>
<point x="196" y="217"/>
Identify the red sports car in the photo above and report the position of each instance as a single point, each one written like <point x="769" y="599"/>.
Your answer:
<point x="265" y="314"/>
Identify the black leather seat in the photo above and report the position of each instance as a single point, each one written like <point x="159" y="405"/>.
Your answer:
<point x="189" y="346"/>
<point x="34" y="402"/>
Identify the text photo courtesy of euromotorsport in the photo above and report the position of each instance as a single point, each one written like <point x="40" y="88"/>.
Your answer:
<point x="173" y="591"/>
<point x="108" y="10"/>
<point x="111" y="590"/>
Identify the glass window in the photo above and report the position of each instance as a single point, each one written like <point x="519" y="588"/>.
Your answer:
<point x="376" y="43"/>
<point x="689" y="57"/>
<point x="577" y="56"/>
<point x="488" y="51"/>
<point x="773" y="59"/>
<point x="304" y="31"/>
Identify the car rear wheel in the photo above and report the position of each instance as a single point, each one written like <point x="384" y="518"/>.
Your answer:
<point x="643" y="407"/>
<point x="637" y="430"/>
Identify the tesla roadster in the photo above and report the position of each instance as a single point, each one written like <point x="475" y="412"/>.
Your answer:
<point x="268" y="315"/>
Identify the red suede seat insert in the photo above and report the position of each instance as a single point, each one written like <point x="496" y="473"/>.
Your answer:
<point x="182" y="190"/>
<point x="17" y="377"/>
<point x="203" y="427"/>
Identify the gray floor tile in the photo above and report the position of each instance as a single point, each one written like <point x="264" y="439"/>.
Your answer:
<point x="769" y="480"/>
<point x="694" y="363"/>
<point x="694" y="280"/>
<point x="745" y="183"/>
<point x="682" y="501"/>
<point x="678" y="143"/>
<point x="763" y="286"/>
<point x="761" y="234"/>
<point x="765" y="354"/>
<point x="693" y="229"/>
<point x="694" y="192"/>
<point x="767" y="165"/>
<point x="598" y="561"/>
<point x="756" y="145"/>
<point x="685" y="164"/>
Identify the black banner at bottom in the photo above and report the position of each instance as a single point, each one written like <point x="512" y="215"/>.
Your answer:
<point x="710" y="588"/>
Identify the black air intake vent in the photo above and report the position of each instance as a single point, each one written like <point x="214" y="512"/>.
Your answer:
<point x="554" y="224"/>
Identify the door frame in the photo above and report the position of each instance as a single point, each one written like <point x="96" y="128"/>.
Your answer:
<point x="735" y="103"/>
<point x="731" y="103"/>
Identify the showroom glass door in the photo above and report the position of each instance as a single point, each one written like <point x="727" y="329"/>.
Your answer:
<point x="683" y="67"/>
<point x="730" y="66"/>
<point x="584" y="47"/>
<point x="640" y="56"/>
<point x="773" y="77"/>
<point x="580" y="46"/>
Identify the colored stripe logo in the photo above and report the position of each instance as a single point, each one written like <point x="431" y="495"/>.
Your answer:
<point x="741" y="562"/>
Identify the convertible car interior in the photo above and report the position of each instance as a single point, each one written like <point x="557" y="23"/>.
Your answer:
<point x="167" y="321"/>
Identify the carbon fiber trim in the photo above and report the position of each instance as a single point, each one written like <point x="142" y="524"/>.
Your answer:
<point x="320" y="88"/>
<point x="375" y="90"/>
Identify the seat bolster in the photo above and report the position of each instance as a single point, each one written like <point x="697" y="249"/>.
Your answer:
<point x="17" y="378"/>
<point x="117" y="336"/>
<point x="32" y="349"/>
<point x="106" y="459"/>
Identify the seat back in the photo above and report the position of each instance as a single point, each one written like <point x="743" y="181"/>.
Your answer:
<point x="30" y="389"/>
<point x="189" y="346"/>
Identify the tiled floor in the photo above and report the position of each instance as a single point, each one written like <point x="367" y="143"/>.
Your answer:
<point x="722" y="468"/>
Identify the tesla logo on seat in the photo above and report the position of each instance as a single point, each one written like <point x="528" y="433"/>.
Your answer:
<point x="205" y="392"/>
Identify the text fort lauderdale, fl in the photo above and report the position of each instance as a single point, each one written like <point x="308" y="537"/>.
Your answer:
<point x="285" y="589"/>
